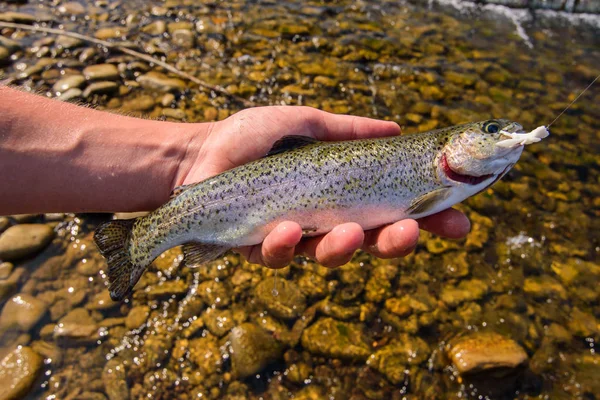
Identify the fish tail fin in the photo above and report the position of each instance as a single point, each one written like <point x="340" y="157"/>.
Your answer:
<point x="112" y="239"/>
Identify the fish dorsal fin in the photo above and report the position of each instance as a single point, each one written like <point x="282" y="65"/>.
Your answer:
<point x="290" y="142"/>
<point x="180" y="189"/>
<point x="428" y="201"/>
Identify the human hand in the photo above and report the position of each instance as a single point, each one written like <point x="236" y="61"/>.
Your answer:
<point x="249" y="134"/>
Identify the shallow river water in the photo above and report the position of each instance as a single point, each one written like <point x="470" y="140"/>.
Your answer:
<point x="512" y="311"/>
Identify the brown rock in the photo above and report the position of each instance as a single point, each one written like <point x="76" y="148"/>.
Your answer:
<point x="24" y="240"/>
<point x="485" y="350"/>
<point x="18" y="372"/>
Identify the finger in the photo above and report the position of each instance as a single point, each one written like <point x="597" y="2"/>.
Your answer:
<point x="336" y="247"/>
<point x="396" y="240"/>
<point x="349" y="127"/>
<point x="277" y="250"/>
<point x="449" y="223"/>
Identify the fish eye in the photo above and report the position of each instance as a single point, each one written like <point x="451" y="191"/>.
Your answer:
<point x="491" y="127"/>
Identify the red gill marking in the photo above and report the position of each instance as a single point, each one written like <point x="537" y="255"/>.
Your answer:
<point x="455" y="176"/>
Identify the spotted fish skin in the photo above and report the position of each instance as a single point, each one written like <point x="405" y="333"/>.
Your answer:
<point x="319" y="185"/>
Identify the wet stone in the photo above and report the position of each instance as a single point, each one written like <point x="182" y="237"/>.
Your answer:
<point x="393" y="359"/>
<point x="4" y="54"/>
<point x="110" y="33"/>
<point x="68" y="82"/>
<point x="100" y="88"/>
<point x="281" y="298"/>
<point x="4" y="223"/>
<point x="252" y="349"/>
<point x="332" y="338"/>
<point x="71" y="7"/>
<point x="24" y="240"/>
<point x="485" y="350"/>
<point x="114" y="378"/>
<point x="137" y="316"/>
<point x="102" y="301"/>
<point x="168" y="288"/>
<point x="155" y="28"/>
<point x="468" y="290"/>
<point x="19" y="370"/>
<point x="184" y="38"/>
<point x="101" y="72"/>
<point x="544" y="287"/>
<point x="5" y="270"/>
<point x="159" y="81"/>
<point x="67" y="42"/>
<point x="218" y="322"/>
<point x="141" y="103"/>
<point x="174" y="113"/>
<point x="70" y="94"/>
<point x="77" y="324"/>
<point x="22" y="312"/>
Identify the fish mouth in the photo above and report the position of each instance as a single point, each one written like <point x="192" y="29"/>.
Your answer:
<point x="458" y="177"/>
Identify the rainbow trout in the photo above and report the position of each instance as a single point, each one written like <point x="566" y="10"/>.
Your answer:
<point x="373" y="182"/>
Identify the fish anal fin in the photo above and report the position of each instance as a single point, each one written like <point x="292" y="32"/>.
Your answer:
<point x="428" y="201"/>
<point x="290" y="142"/>
<point x="196" y="253"/>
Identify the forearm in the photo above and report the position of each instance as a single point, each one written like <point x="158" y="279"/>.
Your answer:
<point x="58" y="157"/>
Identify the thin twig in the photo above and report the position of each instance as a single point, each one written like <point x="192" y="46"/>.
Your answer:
<point x="134" y="53"/>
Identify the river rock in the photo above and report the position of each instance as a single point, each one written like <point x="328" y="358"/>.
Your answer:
<point x="485" y="350"/>
<point x="159" y="81"/>
<point x="141" y="103"/>
<point x="184" y="38"/>
<point x="68" y="82"/>
<point x="337" y="339"/>
<point x="70" y="94"/>
<point x="252" y="349"/>
<point x="24" y="240"/>
<point x="394" y="359"/>
<point x="282" y="298"/>
<point x="23" y="311"/>
<point x="137" y="316"/>
<point x="155" y="28"/>
<point x="71" y="7"/>
<point x="19" y="370"/>
<point x="67" y="42"/>
<point x="11" y="16"/>
<point x="103" y="87"/>
<point x="218" y="322"/>
<point x="101" y="72"/>
<point x="77" y="324"/>
<point x="114" y="378"/>
<point x="174" y="113"/>
<point x="5" y="270"/>
<point x="110" y="33"/>
<point x="4" y="54"/>
<point x="4" y="223"/>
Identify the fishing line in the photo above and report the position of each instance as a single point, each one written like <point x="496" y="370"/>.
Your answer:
<point x="576" y="98"/>
<point x="274" y="292"/>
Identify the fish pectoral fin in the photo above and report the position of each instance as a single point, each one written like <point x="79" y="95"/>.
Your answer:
<point x="428" y="201"/>
<point x="197" y="253"/>
<point x="180" y="189"/>
<point x="290" y="142"/>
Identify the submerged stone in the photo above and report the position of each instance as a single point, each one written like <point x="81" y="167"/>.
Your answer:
<point x="252" y="349"/>
<point x="19" y="370"/>
<point x="24" y="240"/>
<point x="485" y="350"/>
<point x="332" y="338"/>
